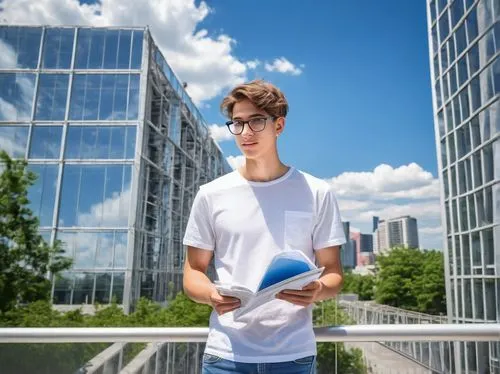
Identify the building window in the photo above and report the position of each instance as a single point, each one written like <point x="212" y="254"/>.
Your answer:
<point x="57" y="48"/>
<point x="13" y="140"/>
<point x="108" y="49"/>
<point x="107" y="97"/>
<point x="52" y="96"/>
<point x="472" y="29"/>
<point x="45" y="142"/>
<point x="42" y="193"/>
<point x="95" y="196"/>
<point x="20" y="47"/>
<point x="16" y="95"/>
<point x="100" y="142"/>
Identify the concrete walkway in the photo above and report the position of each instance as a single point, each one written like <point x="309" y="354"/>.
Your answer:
<point x="381" y="360"/>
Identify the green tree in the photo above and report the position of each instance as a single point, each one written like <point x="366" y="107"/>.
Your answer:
<point x="362" y="285"/>
<point x="335" y="355"/>
<point x="411" y="279"/>
<point x="430" y="287"/>
<point x="25" y="258"/>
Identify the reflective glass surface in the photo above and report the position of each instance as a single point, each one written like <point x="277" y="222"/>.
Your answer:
<point x="88" y="287"/>
<point x="45" y="142"/>
<point x="95" y="196"/>
<point x="19" y="47"/>
<point x="13" y="140"/>
<point x="16" y="96"/>
<point x="42" y="194"/>
<point x="108" y="49"/>
<point x="100" y="142"/>
<point x="57" y="48"/>
<point x="52" y="96"/>
<point x="91" y="250"/>
<point x="104" y="97"/>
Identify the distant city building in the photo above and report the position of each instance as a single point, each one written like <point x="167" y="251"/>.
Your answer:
<point x="464" y="49"/>
<point x="120" y="151"/>
<point x="363" y="243"/>
<point x="348" y="249"/>
<point x="375" y="223"/>
<point x="399" y="231"/>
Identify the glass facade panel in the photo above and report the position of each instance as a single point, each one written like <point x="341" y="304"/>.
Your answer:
<point x="16" y="96"/>
<point x="104" y="97"/>
<point x="118" y="284"/>
<point x="472" y="29"/>
<point x="20" y="47"/>
<point x="478" y="298"/>
<point x="84" y="288"/>
<point x="13" y="140"/>
<point x="103" y="288"/>
<point x="52" y="96"/>
<point x="43" y="192"/>
<point x="100" y="142"/>
<point x="45" y="142"/>
<point x="95" y="196"/>
<point x="93" y="250"/>
<point x="57" y="48"/>
<point x="63" y="288"/>
<point x="108" y="49"/>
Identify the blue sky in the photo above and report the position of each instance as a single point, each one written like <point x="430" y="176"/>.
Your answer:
<point x="364" y="95"/>
<point x="356" y="75"/>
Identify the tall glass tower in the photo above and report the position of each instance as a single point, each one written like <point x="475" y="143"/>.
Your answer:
<point x="464" y="43"/>
<point x="120" y="151"/>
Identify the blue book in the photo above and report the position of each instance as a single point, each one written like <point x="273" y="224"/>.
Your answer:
<point x="287" y="270"/>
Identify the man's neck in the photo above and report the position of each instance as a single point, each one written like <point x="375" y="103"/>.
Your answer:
<point x="263" y="171"/>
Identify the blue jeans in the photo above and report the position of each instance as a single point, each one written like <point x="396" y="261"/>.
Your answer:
<point x="217" y="365"/>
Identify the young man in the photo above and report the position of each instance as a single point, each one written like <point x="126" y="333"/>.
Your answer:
<point x="243" y="219"/>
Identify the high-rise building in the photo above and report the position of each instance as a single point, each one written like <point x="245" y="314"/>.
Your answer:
<point x="348" y="249"/>
<point x="399" y="231"/>
<point x="363" y="243"/>
<point x="119" y="149"/>
<point x="464" y="46"/>
<point x="375" y="223"/>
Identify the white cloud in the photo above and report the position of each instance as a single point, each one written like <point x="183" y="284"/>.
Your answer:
<point x="205" y="62"/>
<point x="282" y="65"/>
<point x="389" y="192"/>
<point x="386" y="182"/>
<point x="253" y="64"/>
<point x="220" y="133"/>
<point x="432" y="230"/>
<point x="236" y="161"/>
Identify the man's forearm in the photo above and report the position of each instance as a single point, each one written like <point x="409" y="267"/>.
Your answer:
<point x="197" y="286"/>
<point x="331" y="286"/>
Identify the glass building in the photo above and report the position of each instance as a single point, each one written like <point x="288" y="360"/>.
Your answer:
<point x="464" y="43"/>
<point x="120" y="151"/>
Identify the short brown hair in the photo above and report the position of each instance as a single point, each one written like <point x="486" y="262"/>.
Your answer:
<point x="263" y="95"/>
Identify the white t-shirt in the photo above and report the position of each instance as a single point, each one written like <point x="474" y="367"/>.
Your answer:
<point x="246" y="223"/>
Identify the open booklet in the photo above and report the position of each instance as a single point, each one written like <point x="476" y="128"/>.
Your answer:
<point x="290" y="270"/>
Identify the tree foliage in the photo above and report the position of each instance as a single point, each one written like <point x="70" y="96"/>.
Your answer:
<point x="411" y="279"/>
<point x="25" y="258"/>
<point x="362" y="285"/>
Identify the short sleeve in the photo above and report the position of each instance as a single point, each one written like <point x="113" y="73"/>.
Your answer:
<point x="199" y="232"/>
<point x="328" y="230"/>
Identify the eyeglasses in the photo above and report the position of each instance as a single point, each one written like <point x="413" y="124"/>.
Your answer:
<point x="255" y="124"/>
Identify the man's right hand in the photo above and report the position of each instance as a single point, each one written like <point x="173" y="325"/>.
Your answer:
<point x="223" y="304"/>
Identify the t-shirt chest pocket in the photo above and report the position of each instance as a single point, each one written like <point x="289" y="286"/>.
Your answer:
<point x="298" y="229"/>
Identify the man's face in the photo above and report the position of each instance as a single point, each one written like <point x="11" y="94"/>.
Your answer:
<point x="255" y="144"/>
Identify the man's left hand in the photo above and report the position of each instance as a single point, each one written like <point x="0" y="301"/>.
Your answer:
<point x="304" y="297"/>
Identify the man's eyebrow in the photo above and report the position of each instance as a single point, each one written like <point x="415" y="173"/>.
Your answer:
<point x="252" y="116"/>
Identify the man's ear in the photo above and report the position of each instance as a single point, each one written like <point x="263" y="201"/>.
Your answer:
<point x="280" y="125"/>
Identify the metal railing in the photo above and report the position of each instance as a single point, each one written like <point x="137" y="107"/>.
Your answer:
<point x="179" y="350"/>
<point x="354" y="333"/>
